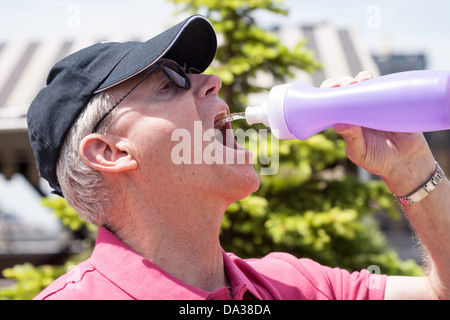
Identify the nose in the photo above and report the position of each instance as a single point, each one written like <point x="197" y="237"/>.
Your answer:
<point x="206" y="85"/>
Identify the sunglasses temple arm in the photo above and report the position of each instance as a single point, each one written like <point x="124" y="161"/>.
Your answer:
<point x="121" y="99"/>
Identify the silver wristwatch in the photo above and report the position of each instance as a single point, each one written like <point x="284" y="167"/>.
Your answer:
<point x="424" y="190"/>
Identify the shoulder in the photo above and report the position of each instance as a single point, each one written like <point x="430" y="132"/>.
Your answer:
<point x="315" y="281"/>
<point x="82" y="282"/>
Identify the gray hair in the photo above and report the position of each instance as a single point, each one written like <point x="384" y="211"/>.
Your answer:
<point x="83" y="186"/>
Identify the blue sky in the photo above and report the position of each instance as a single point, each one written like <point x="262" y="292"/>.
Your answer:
<point x="403" y="25"/>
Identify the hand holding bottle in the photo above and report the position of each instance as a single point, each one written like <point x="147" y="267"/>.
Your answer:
<point x="403" y="160"/>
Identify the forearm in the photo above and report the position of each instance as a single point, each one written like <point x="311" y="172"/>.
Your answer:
<point x="430" y="217"/>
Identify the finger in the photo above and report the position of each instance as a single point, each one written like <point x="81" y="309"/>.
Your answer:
<point x="346" y="80"/>
<point x="346" y="130"/>
<point x="330" y="83"/>
<point x="363" y="75"/>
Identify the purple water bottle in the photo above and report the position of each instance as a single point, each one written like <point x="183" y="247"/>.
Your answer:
<point x="413" y="101"/>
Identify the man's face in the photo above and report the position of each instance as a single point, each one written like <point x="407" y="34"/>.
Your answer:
<point x="170" y="131"/>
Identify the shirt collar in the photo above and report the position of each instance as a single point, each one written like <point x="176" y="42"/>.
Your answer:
<point x="144" y="280"/>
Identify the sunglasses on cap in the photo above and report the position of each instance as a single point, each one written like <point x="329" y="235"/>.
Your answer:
<point x="172" y="70"/>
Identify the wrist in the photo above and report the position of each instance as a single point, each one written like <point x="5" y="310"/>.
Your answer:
<point x="423" y="190"/>
<point x="408" y="176"/>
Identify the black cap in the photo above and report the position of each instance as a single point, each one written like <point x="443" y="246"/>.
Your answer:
<point x="73" y="81"/>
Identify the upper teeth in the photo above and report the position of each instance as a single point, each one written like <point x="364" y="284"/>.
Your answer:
<point x="221" y="118"/>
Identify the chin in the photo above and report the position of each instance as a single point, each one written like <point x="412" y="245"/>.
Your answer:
<point x="241" y="182"/>
<point x="252" y="180"/>
<point x="234" y="164"/>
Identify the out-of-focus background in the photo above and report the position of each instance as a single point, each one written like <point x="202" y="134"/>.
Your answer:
<point x="346" y="36"/>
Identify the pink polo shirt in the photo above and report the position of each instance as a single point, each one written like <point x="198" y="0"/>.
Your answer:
<point x="114" y="271"/>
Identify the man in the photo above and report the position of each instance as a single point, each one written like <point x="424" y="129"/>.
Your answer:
<point x="102" y="135"/>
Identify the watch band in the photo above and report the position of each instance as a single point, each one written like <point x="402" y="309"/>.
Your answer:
<point x="424" y="190"/>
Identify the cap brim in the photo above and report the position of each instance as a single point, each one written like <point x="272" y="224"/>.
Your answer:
<point x="192" y="43"/>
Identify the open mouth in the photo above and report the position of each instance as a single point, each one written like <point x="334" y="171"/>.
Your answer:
<point x="233" y="152"/>
<point x="223" y="131"/>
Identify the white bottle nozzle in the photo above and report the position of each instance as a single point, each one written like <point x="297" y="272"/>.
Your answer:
<point x="271" y="113"/>
<point x="257" y="114"/>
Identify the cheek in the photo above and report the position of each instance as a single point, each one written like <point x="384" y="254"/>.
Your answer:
<point x="155" y="136"/>
<point x="151" y="141"/>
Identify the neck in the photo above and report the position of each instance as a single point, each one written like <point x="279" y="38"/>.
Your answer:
<point x="181" y="240"/>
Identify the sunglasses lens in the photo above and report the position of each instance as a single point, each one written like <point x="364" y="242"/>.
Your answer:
<point x="176" y="74"/>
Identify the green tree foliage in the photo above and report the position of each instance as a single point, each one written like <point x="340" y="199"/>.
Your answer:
<point x="30" y="280"/>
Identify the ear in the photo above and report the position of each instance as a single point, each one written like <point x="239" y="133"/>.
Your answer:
<point x="106" y="153"/>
